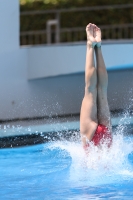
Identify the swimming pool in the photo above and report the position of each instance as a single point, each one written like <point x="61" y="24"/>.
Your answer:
<point x="60" y="170"/>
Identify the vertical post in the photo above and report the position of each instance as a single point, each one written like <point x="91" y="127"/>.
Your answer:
<point x="58" y="26"/>
<point x="48" y="29"/>
<point x="49" y="24"/>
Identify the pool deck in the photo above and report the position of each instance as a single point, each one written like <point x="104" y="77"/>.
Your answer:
<point x="27" y="133"/>
<point x="28" y="128"/>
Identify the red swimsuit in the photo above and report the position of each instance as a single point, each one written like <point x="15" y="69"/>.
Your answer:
<point x="101" y="136"/>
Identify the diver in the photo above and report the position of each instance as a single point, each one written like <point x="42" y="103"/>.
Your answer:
<point x="95" y="122"/>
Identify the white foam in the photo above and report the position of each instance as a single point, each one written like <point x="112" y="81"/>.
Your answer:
<point x="99" y="166"/>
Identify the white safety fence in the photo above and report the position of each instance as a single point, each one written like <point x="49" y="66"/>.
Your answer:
<point x="54" y="33"/>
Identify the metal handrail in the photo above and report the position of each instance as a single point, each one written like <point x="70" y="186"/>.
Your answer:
<point x="77" y="28"/>
<point x="91" y="8"/>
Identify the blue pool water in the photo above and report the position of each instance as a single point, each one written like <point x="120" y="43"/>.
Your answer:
<point x="61" y="170"/>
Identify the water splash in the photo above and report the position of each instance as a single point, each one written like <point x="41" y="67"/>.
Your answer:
<point x="98" y="166"/>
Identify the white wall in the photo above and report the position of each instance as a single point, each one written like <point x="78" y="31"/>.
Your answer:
<point x="9" y="25"/>
<point x="54" y="95"/>
<point x="29" y="86"/>
<point x="65" y="59"/>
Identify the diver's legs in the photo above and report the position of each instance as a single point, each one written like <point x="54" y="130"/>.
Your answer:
<point x="103" y="112"/>
<point x="88" y="114"/>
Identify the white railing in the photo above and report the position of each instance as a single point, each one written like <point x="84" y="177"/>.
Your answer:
<point x="58" y="34"/>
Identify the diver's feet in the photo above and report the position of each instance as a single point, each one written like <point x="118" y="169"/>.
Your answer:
<point x="97" y="36"/>
<point x="91" y="41"/>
